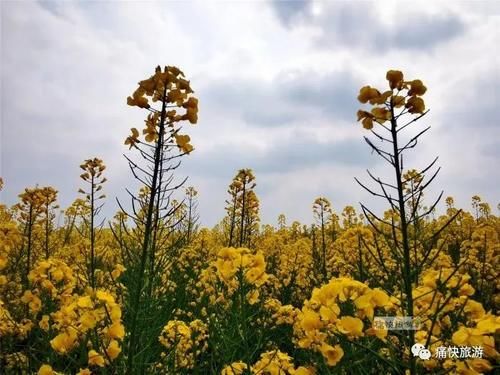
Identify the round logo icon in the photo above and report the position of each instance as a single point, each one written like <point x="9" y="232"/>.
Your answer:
<point x="424" y="354"/>
<point x="419" y="350"/>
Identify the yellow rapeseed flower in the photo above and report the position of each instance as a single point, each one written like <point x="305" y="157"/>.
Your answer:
<point x="57" y="274"/>
<point x="44" y="323"/>
<point x="489" y="324"/>
<point x="304" y="371"/>
<point x="332" y="354"/>
<point x="115" y="313"/>
<point x="381" y="114"/>
<point x="132" y="139"/>
<point x="467" y="336"/>
<point x="88" y="320"/>
<point x="480" y="365"/>
<point x="192" y="102"/>
<point x="183" y="143"/>
<point x="63" y="342"/>
<point x="379" y="297"/>
<point x="368" y="94"/>
<point x="415" y="105"/>
<point x="367" y="118"/>
<point x="137" y="99"/>
<point x="105" y="296"/>
<point x="417" y="88"/>
<point x="310" y="320"/>
<point x="192" y="115"/>
<point x="395" y="78"/>
<point x="350" y="326"/>
<point x="235" y="368"/>
<point x="466" y="290"/>
<point x="113" y="349"/>
<point x="256" y="276"/>
<point x="84" y="302"/>
<point x="46" y="370"/>
<point x="377" y="332"/>
<point x="329" y="313"/>
<point x="118" y="270"/>
<point x="253" y="297"/>
<point x="116" y="331"/>
<point x="3" y="262"/>
<point x="475" y="309"/>
<point x="95" y="359"/>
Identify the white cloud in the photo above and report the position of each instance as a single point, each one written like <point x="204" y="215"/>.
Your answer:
<point x="67" y="68"/>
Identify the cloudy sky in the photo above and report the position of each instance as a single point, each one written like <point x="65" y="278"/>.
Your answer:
<point x="277" y="84"/>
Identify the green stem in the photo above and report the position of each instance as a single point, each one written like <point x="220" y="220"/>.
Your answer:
<point x="407" y="279"/>
<point x="47" y="222"/>
<point x="28" y="255"/>
<point x="136" y="299"/>
<point x="92" y="236"/>
<point x="242" y="223"/>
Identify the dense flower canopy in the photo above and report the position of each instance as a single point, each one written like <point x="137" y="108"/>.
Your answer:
<point x="152" y="292"/>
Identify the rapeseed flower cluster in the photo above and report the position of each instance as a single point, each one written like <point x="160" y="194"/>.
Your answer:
<point x="390" y="100"/>
<point x="184" y="342"/>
